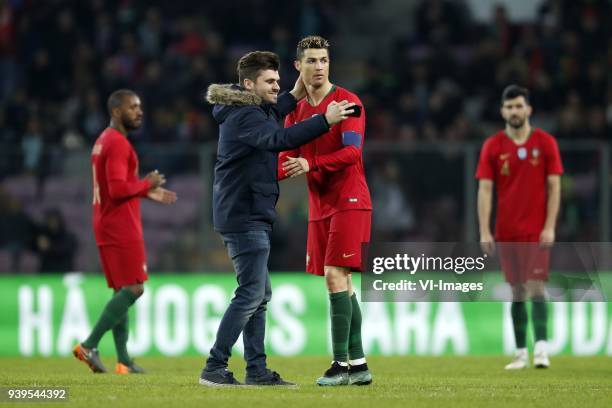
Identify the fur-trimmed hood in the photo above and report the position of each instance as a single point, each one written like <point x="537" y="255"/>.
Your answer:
<point x="231" y="94"/>
<point x="229" y="97"/>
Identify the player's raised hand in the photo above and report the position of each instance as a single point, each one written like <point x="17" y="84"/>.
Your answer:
<point x="295" y="166"/>
<point x="162" y="196"/>
<point x="155" y="179"/>
<point x="338" y="111"/>
<point x="487" y="244"/>
<point x="299" y="89"/>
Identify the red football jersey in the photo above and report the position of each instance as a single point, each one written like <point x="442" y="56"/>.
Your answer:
<point x="116" y="190"/>
<point x="519" y="173"/>
<point x="336" y="180"/>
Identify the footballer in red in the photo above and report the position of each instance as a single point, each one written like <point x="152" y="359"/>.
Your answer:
<point x="340" y="208"/>
<point x="338" y="199"/>
<point x="117" y="190"/>
<point x="524" y="165"/>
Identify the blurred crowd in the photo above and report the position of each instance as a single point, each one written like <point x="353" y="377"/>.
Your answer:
<point x="445" y="78"/>
<point x="49" y="239"/>
<point x="59" y="59"/>
<point x="441" y="82"/>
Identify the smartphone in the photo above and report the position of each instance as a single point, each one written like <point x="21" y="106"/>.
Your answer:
<point x="356" y="111"/>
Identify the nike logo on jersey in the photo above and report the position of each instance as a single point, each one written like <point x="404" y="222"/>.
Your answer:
<point x="347" y="256"/>
<point x="504" y="156"/>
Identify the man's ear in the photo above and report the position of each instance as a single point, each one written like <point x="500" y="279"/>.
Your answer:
<point x="248" y="84"/>
<point x="298" y="65"/>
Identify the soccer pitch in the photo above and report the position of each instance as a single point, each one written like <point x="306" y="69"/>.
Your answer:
<point x="398" y="381"/>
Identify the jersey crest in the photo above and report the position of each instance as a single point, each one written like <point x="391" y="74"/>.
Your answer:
<point x="505" y="168"/>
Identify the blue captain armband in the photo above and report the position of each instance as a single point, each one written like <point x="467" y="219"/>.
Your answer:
<point x="351" y="139"/>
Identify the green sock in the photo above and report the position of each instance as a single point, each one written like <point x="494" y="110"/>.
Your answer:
<point x="539" y="318"/>
<point x="340" y="324"/>
<point x="114" y="311"/>
<point x="518" y="310"/>
<point x="355" y="348"/>
<point x="120" y="335"/>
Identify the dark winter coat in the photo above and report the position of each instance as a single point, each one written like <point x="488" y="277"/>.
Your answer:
<point x="245" y="188"/>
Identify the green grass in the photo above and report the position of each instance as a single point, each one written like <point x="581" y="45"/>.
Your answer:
<point x="398" y="381"/>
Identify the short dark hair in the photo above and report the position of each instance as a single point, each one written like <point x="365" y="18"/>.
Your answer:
<point x="311" y="42"/>
<point x="514" y="91"/>
<point x="250" y="65"/>
<point x="116" y="99"/>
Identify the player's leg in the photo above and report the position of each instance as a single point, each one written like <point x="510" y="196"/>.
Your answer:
<point x="509" y="253"/>
<point x="359" y="374"/>
<point x="539" y="319"/>
<point x="518" y="312"/>
<point x="537" y="266"/>
<point x="125" y="364"/>
<point x="125" y="271"/>
<point x="347" y="231"/>
<point x="249" y="252"/>
<point x="120" y="337"/>
<point x="316" y="253"/>
<point x="336" y="279"/>
<point x="357" y="225"/>
<point x="114" y="312"/>
<point x="355" y="347"/>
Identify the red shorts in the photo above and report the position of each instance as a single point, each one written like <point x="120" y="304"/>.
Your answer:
<point x="523" y="259"/>
<point x="336" y="241"/>
<point x="124" y="265"/>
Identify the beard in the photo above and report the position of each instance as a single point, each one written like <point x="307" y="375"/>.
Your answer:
<point x="131" y="125"/>
<point x="516" y="122"/>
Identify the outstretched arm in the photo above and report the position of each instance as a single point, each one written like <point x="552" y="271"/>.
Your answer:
<point x="259" y="132"/>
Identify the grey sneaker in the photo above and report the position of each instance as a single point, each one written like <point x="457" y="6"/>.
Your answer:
<point x="91" y="357"/>
<point x="268" y="378"/>
<point x="335" y="375"/>
<point x="360" y="375"/>
<point x="218" y="378"/>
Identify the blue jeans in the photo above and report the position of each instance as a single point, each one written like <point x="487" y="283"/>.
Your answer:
<point x="246" y="313"/>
